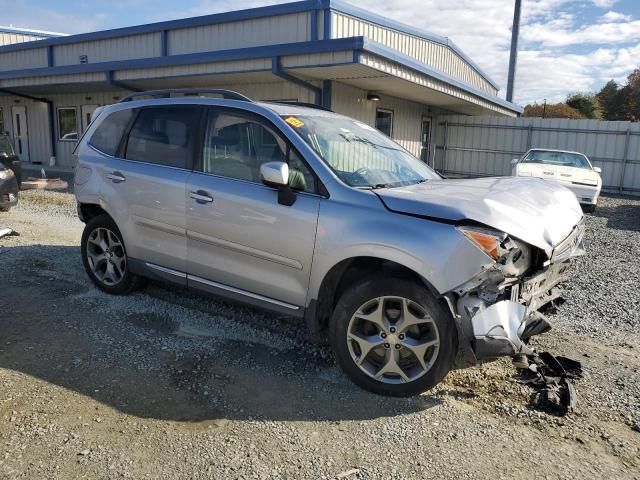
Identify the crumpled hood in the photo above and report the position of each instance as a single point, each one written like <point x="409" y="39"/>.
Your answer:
<point x="530" y="209"/>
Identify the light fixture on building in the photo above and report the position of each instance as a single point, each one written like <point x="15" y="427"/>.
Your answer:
<point x="374" y="97"/>
<point x="88" y="99"/>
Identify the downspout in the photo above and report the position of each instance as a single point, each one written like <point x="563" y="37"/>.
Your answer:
<point x="276" y="69"/>
<point x="116" y="84"/>
<point x="49" y="103"/>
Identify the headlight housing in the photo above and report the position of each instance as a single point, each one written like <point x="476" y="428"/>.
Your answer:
<point x="488" y="240"/>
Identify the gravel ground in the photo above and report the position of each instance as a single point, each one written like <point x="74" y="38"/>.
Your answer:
<point x="168" y="384"/>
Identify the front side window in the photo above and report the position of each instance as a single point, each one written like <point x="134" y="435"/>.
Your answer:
<point x="236" y="145"/>
<point x="360" y="155"/>
<point x="67" y="124"/>
<point x="163" y="136"/>
<point x="384" y="121"/>
<point x="107" y="136"/>
<point x="560" y="159"/>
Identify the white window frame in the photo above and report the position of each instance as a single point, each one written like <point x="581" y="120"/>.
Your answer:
<point x="385" y="110"/>
<point x="75" y="110"/>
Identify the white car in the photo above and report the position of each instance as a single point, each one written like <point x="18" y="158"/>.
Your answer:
<point x="571" y="169"/>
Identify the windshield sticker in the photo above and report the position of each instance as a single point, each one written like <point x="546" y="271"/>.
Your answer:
<point x="295" y="122"/>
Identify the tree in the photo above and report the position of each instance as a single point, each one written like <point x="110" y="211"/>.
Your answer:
<point x="552" y="110"/>
<point x="631" y="96"/>
<point x="610" y="98"/>
<point x="587" y="104"/>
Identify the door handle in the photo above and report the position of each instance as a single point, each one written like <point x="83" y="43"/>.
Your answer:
<point x="116" y="177"/>
<point x="201" y="197"/>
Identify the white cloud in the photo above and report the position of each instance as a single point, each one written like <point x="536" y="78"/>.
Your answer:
<point x="604" y="3"/>
<point x="560" y="34"/>
<point x="612" y="16"/>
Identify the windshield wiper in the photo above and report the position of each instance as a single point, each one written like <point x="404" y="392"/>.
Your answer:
<point x="383" y="185"/>
<point x="355" y="138"/>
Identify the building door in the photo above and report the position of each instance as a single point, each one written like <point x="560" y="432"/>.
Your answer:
<point x="426" y="140"/>
<point x="20" y="132"/>
<point x="87" y="112"/>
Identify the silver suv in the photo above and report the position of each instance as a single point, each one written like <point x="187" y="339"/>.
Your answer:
<point x="319" y="216"/>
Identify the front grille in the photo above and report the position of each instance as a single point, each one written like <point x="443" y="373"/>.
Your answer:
<point x="566" y="247"/>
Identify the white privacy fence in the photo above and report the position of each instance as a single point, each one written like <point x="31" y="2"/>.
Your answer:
<point x="481" y="146"/>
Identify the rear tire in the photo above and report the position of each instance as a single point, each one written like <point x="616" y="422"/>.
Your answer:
<point x="382" y="326"/>
<point x="104" y="256"/>
<point x="589" y="208"/>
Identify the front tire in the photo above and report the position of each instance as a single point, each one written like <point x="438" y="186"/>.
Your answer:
<point x="590" y="208"/>
<point x="392" y="337"/>
<point x="105" y="257"/>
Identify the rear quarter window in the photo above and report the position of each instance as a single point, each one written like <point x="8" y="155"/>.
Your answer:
<point x="107" y="136"/>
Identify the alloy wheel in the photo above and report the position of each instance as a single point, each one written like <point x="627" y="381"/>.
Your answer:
<point x="393" y="339"/>
<point x="106" y="256"/>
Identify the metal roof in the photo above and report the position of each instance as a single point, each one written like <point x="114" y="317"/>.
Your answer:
<point x="28" y="31"/>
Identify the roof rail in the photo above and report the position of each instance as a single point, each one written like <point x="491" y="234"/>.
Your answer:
<point x="194" y="92"/>
<point x="301" y="104"/>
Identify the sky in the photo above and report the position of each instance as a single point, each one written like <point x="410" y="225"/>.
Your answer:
<point x="565" y="45"/>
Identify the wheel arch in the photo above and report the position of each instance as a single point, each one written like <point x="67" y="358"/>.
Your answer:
<point x="87" y="211"/>
<point x="340" y="276"/>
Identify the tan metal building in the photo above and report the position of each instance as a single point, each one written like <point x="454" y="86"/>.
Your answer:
<point x="386" y="74"/>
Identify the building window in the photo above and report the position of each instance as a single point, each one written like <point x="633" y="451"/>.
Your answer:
<point x="67" y="124"/>
<point x="1" y="120"/>
<point x="384" y="121"/>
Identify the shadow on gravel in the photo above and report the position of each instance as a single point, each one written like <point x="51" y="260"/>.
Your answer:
<point x="135" y="363"/>
<point x="621" y="217"/>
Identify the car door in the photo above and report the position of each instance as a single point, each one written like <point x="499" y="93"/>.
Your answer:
<point x="145" y="186"/>
<point x="241" y="241"/>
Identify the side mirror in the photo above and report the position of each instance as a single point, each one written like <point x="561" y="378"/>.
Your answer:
<point x="597" y="169"/>
<point x="276" y="175"/>
<point x="515" y="161"/>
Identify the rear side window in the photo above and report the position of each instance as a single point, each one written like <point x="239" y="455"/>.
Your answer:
<point x="107" y="136"/>
<point x="163" y="136"/>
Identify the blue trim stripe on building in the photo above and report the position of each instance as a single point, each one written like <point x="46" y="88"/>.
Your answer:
<point x="278" y="71"/>
<point x="355" y="44"/>
<point x="297" y="48"/>
<point x="326" y="6"/>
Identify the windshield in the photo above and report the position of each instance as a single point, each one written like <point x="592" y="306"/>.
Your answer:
<point x="360" y="155"/>
<point x="5" y="145"/>
<point x="561" y="159"/>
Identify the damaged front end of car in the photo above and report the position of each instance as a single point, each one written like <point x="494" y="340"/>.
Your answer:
<point x="497" y="311"/>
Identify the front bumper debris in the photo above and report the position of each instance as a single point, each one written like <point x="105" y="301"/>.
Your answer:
<point x="497" y="330"/>
<point x="551" y="377"/>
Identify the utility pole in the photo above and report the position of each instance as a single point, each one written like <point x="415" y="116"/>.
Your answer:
<point x="513" y="56"/>
<point x="544" y="109"/>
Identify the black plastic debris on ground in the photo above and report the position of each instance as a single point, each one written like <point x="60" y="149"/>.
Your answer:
<point x="550" y="377"/>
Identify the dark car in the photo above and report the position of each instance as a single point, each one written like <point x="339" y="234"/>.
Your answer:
<point x="10" y="173"/>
